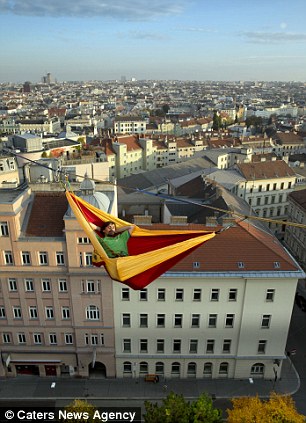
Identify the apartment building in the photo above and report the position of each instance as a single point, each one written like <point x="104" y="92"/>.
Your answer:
<point x="206" y="317"/>
<point x="56" y="312"/>
<point x="223" y="312"/>
<point x="129" y="125"/>
<point x="266" y="188"/>
<point x="295" y="237"/>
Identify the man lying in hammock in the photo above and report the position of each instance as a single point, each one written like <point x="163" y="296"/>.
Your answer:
<point x="114" y="241"/>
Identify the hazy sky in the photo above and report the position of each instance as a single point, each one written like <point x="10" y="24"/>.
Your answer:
<point x="153" y="39"/>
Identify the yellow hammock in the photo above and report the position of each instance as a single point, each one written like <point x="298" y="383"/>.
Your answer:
<point x="151" y="252"/>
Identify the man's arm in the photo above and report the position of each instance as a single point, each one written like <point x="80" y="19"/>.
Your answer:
<point x="129" y="228"/>
<point x="94" y="227"/>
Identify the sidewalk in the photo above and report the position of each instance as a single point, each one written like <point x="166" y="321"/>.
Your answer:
<point x="29" y="387"/>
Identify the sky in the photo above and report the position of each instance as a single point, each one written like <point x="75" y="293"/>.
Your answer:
<point x="83" y="40"/>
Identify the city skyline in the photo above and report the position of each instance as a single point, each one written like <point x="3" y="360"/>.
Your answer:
<point x="169" y="39"/>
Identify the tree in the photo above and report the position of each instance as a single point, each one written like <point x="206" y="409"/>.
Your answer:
<point x="277" y="409"/>
<point x="176" y="409"/>
<point x="217" y="122"/>
<point x="81" y="411"/>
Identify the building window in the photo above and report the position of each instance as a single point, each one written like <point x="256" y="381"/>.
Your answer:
<point x="126" y="320"/>
<point x="46" y="285"/>
<point x="159" y="368"/>
<point x="17" y="312"/>
<point x="83" y="240"/>
<point x="197" y="293"/>
<point x="43" y="258"/>
<point x="26" y="258"/>
<point x="270" y="293"/>
<point x="223" y="369"/>
<point x="126" y="345"/>
<point x="191" y="370"/>
<point x="210" y="345"/>
<point x="125" y="294"/>
<point x="160" y="321"/>
<point x="262" y="344"/>
<point x="265" y="321"/>
<point x="195" y="320"/>
<point x="178" y="320"/>
<point x="92" y="312"/>
<point x="8" y="258"/>
<point x="207" y="372"/>
<point x="49" y="312"/>
<point x="4" y="229"/>
<point x="94" y="339"/>
<point x="193" y="346"/>
<point x="143" y="320"/>
<point x="232" y="294"/>
<point x="177" y="346"/>
<point x="175" y="369"/>
<point x="29" y="285"/>
<point x="21" y="338"/>
<point x="62" y="285"/>
<point x="161" y="294"/>
<point x="179" y="294"/>
<point x="2" y="312"/>
<point x="90" y="286"/>
<point x="7" y="338"/>
<point x="33" y="312"/>
<point x="88" y="259"/>
<point x="68" y="338"/>
<point x="214" y="295"/>
<point x="60" y="258"/>
<point x="143" y="345"/>
<point x="258" y="369"/>
<point x="37" y="338"/>
<point x="160" y="346"/>
<point x="12" y="285"/>
<point x="143" y="368"/>
<point x="226" y="346"/>
<point x="127" y="368"/>
<point x="65" y="313"/>
<point x="229" y="320"/>
<point x="52" y="339"/>
<point x="143" y="295"/>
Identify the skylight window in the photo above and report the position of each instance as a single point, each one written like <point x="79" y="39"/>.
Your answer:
<point x="240" y="265"/>
<point x="196" y="264"/>
<point x="276" y="265"/>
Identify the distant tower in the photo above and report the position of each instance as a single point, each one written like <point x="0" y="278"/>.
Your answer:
<point x="27" y="87"/>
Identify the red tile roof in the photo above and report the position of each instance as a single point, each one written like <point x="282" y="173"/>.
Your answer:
<point x="265" y="170"/>
<point x="257" y="250"/>
<point x="46" y="215"/>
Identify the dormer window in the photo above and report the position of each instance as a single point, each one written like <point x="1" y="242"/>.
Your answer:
<point x="196" y="264"/>
<point x="276" y="265"/>
<point x="240" y="265"/>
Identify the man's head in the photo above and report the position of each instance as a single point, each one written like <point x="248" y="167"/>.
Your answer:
<point x="108" y="228"/>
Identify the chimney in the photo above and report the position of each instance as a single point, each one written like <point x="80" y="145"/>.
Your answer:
<point x="142" y="220"/>
<point x="178" y="220"/>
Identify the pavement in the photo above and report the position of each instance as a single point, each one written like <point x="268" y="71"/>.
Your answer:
<point x="50" y="388"/>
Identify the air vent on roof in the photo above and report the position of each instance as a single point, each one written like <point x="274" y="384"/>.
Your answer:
<point x="240" y="264"/>
<point x="196" y="264"/>
<point x="276" y="265"/>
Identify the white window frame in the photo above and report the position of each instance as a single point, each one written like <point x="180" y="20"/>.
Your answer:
<point x="4" y="229"/>
<point x="43" y="258"/>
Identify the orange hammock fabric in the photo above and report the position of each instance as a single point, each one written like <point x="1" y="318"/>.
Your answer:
<point x="151" y="252"/>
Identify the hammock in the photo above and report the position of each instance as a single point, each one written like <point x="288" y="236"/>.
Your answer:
<point x="151" y="252"/>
